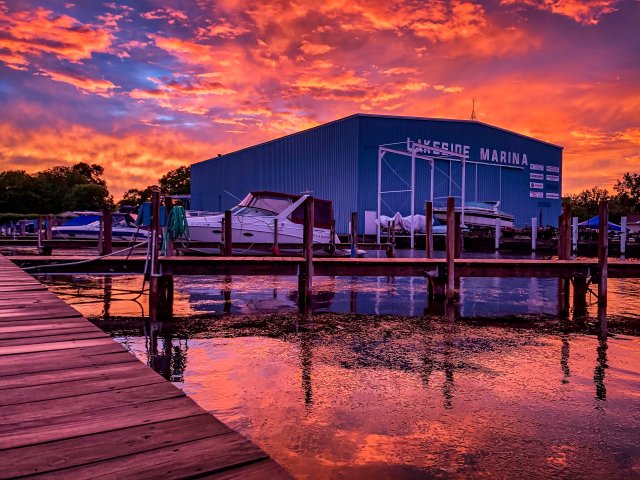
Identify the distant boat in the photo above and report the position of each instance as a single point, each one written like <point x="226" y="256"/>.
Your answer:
<point x="479" y="214"/>
<point x="87" y="227"/>
<point x="253" y="220"/>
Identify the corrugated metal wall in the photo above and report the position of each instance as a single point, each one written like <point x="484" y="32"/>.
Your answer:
<point x="491" y="183"/>
<point x="339" y="161"/>
<point x="321" y="160"/>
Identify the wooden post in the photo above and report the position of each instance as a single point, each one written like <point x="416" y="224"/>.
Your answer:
<point x="534" y="233"/>
<point x="567" y="229"/>
<point x="38" y="231"/>
<point x="354" y="234"/>
<point x="391" y="237"/>
<point x="107" y="232"/>
<point x="603" y="252"/>
<point x="168" y="207"/>
<point x="332" y="239"/>
<point x="305" y="270"/>
<point x="154" y="290"/>
<point x="275" y="248"/>
<point x="458" y="232"/>
<point x="101" y="235"/>
<point x="428" y="225"/>
<point x="228" y="234"/>
<point x="49" y="227"/>
<point x="497" y="237"/>
<point x="623" y="237"/>
<point x="574" y="235"/>
<point x="450" y="247"/>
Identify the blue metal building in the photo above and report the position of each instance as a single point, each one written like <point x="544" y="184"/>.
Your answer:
<point x="338" y="161"/>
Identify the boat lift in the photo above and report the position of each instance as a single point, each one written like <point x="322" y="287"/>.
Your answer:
<point x="424" y="152"/>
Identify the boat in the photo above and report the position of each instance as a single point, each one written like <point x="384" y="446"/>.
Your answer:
<point x="86" y="226"/>
<point x="478" y="214"/>
<point x="403" y="224"/>
<point x="254" y="219"/>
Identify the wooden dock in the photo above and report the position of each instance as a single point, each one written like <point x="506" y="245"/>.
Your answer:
<point x="412" y="267"/>
<point x="75" y="404"/>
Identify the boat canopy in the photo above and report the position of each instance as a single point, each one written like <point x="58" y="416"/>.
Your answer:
<point x="277" y="203"/>
<point x="594" y="222"/>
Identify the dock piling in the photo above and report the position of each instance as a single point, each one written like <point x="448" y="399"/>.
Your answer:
<point x="106" y="247"/>
<point x="450" y="247"/>
<point x="428" y="225"/>
<point x="305" y="269"/>
<point x="154" y="284"/>
<point x="497" y="236"/>
<point x="574" y="235"/>
<point x="228" y="234"/>
<point x="603" y="252"/>
<point x="354" y="234"/>
<point x="534" y="233"/>
<point x="623" y="237"/>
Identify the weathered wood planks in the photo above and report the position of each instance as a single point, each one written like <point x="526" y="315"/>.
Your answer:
<point x="75" y="404"/>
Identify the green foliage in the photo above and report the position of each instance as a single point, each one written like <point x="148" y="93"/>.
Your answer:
<point x="54" y="190"/>
<point x="626" y="199"/>
<point x="135" y="197"/>
<point x="628" y="190"/>
<point x="176" y="182"/>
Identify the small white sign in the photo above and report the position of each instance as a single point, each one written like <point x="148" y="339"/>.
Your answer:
<point x="553" y="178"/>
<point x="535" y="166"/>
<point x="536" y="195"/>
<point x="536" y="176"/>
<point x="553" y="196"/>
<point x="553" y="169"/>
<point x="535" y="185"/>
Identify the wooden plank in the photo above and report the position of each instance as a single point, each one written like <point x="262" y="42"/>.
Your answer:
<point x="28" y="415"/>
<point x="96" y="421"/>
<point x="47" y="339"/>
<point x="75" y="388"/>
<point x="208" y="455"/>
<point x="64" y="359"/>
<point x="41" y="325"/>
<point x="61" y="454"/>
<point x="72" y="374"/>
<point x="42" y="347"/>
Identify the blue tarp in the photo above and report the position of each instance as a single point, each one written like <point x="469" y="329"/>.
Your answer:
<point x="594" y="222"/>
<point x="82" y="220"/>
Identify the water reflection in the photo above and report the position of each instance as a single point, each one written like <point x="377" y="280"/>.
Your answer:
<point x="494" y="385"/>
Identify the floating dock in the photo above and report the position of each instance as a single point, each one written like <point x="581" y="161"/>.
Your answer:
<point x="76" y="404"/>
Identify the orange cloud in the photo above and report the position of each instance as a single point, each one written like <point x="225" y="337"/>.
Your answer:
<point x="584" y="12"/>
<point x="34" y="33"/>
<point x="130" y="159"/>
<point x="85" y="84"/>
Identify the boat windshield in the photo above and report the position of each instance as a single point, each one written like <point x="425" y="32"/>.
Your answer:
<point x="252" y="212"/>
<point x="264" y="205"/>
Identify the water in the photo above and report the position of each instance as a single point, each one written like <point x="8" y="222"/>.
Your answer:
<point x="373" y="384"/>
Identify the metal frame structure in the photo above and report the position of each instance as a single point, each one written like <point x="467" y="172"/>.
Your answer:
<point x="424" y="152"/>
<point x="431" y="154"/>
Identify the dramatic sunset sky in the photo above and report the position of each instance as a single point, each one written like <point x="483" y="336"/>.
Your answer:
<point x="142" y="87"/>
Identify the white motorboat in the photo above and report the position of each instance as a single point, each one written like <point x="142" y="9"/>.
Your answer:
<point x="254" y="219"/>
<point x="87" y="227"/>
<point x="479" y="214"/>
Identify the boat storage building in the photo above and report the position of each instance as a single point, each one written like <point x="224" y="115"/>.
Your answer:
<point x="339" y="161"/>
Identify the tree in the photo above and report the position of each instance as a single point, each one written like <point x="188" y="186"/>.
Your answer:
<point x="136" y="197"/>
<point x="18" y="193"/>
<point x="584" y="205"/>
<point x="89" y="196"/>
<point x="628" y="190"/>
<point x="54" y="190"/>
<point x="176" y="182"/>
